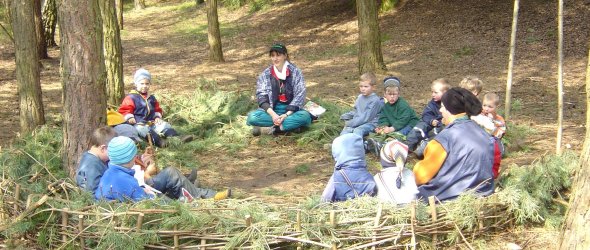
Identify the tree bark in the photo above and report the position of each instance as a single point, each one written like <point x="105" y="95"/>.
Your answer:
<point x="139" y="4"/>
<point x="31" y="112"/>
<point x="49" y="22"/>
<point x="83" y="77"/>
<point x="113" y="52"/>
<point x="119" y="7"/>
<point x="215" y="51"/>
<point x="39" y="31"/>
<point x="370" y="56"/>
<point x="576" y="228"/>
<point x="558" y="149"/>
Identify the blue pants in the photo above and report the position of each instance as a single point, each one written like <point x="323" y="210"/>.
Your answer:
<point x="298" y="119"/>
<point x="362" y="130"/>
<point x="171" y="181"/>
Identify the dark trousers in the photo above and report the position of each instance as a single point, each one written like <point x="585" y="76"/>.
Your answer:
<point x="171" y="181"/>
<point x="421" y="131"/>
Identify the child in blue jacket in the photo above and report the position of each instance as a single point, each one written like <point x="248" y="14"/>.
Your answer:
<point x="351" y="178"/>
<point x="431" y="118"/>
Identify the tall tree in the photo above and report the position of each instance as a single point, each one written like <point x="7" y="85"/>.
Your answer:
<point x="39" y="31"/>
<point x="139" y="4"/>
<point x="119" y="6"/>
<point x="215" y="51"/>
<point x="113" y="52"/>
<point x="370" y="56"/>
<point x="576" y="228"/>
<point x="83" y="77"/>
<point x="49" y="14"/>
<point x="31" y="112"/>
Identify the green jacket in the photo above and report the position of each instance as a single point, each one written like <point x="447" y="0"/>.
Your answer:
<point x="398" y="115"/>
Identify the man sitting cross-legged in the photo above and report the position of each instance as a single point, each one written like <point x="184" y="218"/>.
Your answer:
<point x="93" y="166"/>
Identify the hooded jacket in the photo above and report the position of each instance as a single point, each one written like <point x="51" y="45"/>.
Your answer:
<point x="350" y="178"/>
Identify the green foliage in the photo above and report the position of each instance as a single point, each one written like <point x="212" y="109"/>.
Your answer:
<point x="514" y="139"/>
<point x="529" y="190"/>
<point x="464" y="51"/>
<point x="255" y="5"/>
<point x="302" y="168"/>
<point x="215" y="117"/>
<point x="274" y="192"/>
<point x="325" y="129"/>
<point x="387" y="5"/>
<point x="516" y="105"/>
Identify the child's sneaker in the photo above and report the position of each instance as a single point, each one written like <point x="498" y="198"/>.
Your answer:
<point x="222" y="195"/>
<point x="256" y="131"/>
<point x="420" y="149"/>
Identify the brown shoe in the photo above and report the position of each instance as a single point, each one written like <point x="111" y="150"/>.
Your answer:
<point x="187" y="138"/>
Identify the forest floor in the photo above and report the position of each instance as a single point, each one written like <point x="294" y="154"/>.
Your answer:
<point x="421" y="41"/>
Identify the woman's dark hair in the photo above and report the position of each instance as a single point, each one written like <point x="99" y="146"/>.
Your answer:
<point x="279" y="48"/>
<point x="459" y="100"/>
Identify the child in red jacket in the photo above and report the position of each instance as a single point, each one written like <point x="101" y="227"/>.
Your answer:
<point x="143" y="111"/>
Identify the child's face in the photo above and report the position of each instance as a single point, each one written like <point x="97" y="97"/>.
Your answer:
<point x="437" y="92"/>
<point x="489" y="107"/>
<point x="366" y="88"/>
<point x="102" y="153"/>
<point x="143" y="86"/>
<point x="278" y="59"/>
<point x="391" y="95"/>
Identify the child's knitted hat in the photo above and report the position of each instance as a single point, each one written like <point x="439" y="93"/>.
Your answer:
<point x="141" y="74"/>
<point x="394" y="153"/>
<point x="391" y="81"/>
<point x="121" y="150"/>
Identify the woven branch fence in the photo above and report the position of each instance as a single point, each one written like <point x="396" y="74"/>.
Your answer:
<point x="363" y="223"/>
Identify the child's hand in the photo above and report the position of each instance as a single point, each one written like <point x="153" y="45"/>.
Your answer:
<point x="435" y="123"/>
<point x="378" y="130"/>
<point x="388" y="130"/>
<point x="158" y="120"/>
<point x="131" y="120"/>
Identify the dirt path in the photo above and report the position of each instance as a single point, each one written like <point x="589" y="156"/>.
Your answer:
<point x="422" y="41"/>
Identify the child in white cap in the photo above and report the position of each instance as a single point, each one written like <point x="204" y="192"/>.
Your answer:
<point x="143" y="111"/>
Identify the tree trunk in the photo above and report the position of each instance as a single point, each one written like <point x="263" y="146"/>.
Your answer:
<point x="559" y="77"/>
<point x="49" y="22"/>
<point x="508" y="99"/>
<point x="39" y="31"/>
<point x="139" y="4"/>
<point x="83" y="77"/>
<point x="370" y="57"/>
<point x="119" y="7"/>
<point x="215" y="51"/>
<point x="576" y="228"/>
<point x="113" y="52"/>
<point x="31" y="112"/>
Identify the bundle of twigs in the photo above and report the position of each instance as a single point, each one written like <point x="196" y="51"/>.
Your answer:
<point x="204" y="224"/>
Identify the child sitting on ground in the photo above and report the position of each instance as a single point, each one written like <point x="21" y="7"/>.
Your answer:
<point x="431" y="119"/>
<point x="473" y="84"/>
<point x="395" y="183"/>
<point x="143" y="111"/>
<point x="494" y="124"/>
<point x="363" y="119"/>
<point x="351" y="178"/>
<point x="397" y="118"/>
